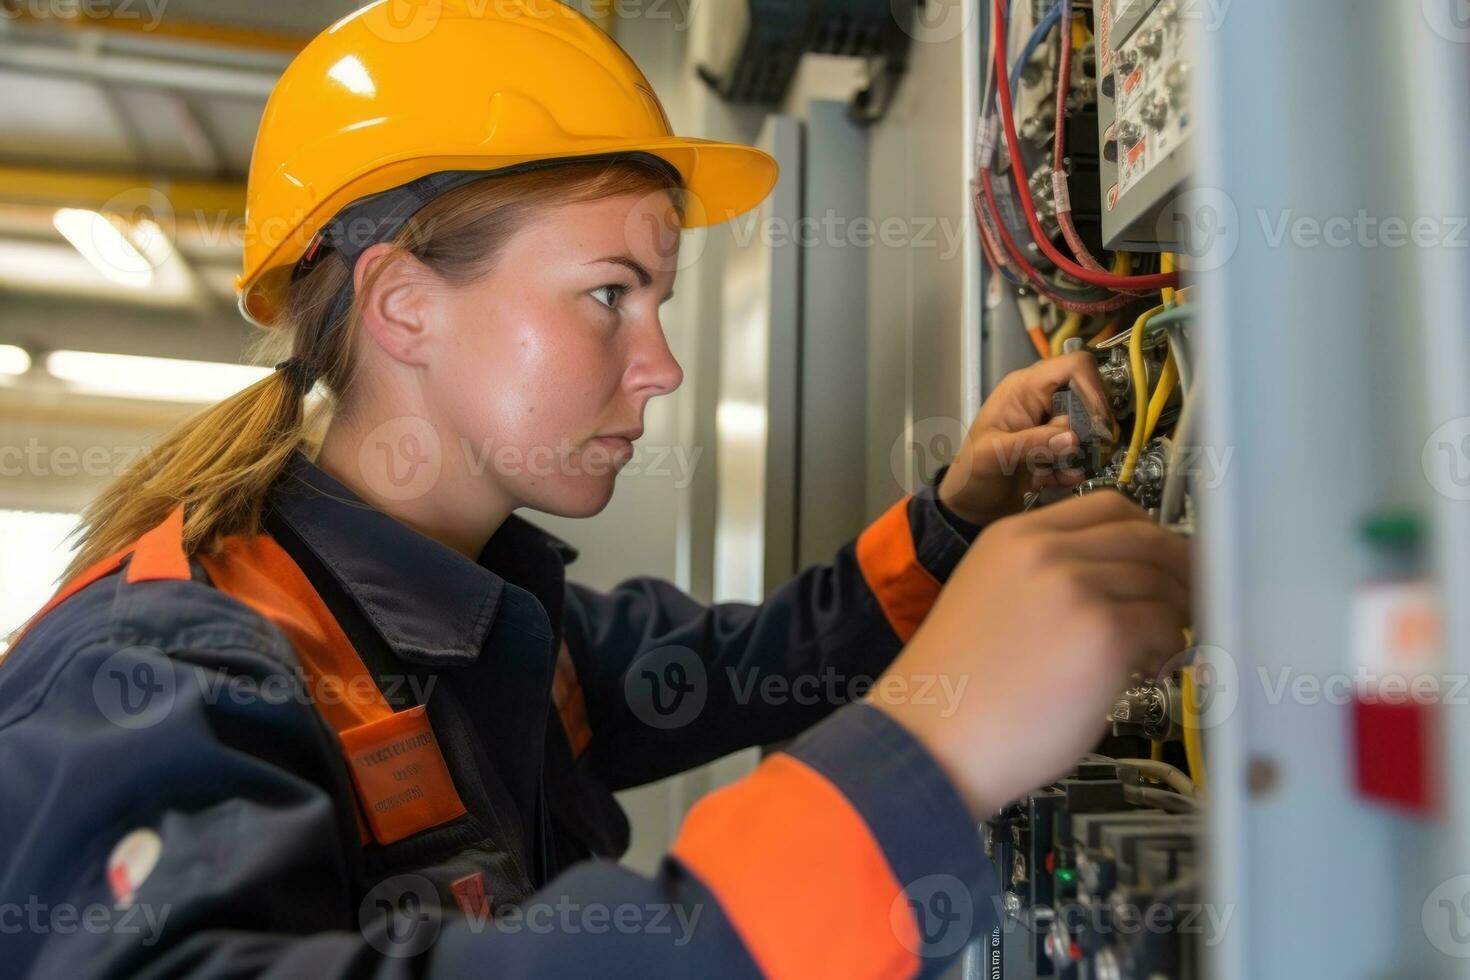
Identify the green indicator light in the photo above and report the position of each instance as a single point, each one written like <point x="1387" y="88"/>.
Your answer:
<point x="1066" y="875"/>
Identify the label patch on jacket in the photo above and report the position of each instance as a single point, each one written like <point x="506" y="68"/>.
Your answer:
<point x="400" y="774"/>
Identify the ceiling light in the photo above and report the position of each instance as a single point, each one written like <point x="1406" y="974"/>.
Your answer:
<point x="101" y="242"/>
<point x="14" y="360"/>
<point x="159" y="378"/>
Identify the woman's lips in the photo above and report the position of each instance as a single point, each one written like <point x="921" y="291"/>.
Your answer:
<point x="617" y="444"/>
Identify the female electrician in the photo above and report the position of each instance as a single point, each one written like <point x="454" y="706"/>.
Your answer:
<point x="341" y="715"/>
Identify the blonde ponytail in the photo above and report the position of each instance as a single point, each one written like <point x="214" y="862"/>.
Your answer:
<point x="220" y="462"/>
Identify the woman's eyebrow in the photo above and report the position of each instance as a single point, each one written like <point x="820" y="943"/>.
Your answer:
<point x="624" y="260"/>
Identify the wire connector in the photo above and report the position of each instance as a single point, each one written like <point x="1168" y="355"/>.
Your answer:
<point x="986" y="154"/>
<point x="1061" y="193"/>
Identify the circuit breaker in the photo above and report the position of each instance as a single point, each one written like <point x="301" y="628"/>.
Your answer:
<point x="1144" y="121"/>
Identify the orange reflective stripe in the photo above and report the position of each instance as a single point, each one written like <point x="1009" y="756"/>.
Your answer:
<point x="566" y="694"/>
<point x="403" y="784"/>
<point x="800" y="876"/>
<point x="905" y="589"/>
<point x="258" y="572"/>
<point x="402" y="781"/>
<point x="159" y="553"/>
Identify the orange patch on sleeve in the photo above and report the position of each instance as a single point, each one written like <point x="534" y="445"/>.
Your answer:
<point x="799" y="875"/>
<point x="904" y="588"/>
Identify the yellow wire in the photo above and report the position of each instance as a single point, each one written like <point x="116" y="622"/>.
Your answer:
<point x="1156" y="751"/>
<point x="1166" y="265"/>
<point x="1071" y="327"/>
<point x="1141" y="394"/>
<point x="1194" y="749"/>
<point x="1168" y="379"/>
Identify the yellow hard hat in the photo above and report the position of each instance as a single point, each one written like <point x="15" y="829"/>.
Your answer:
<point x="405" y="89"/>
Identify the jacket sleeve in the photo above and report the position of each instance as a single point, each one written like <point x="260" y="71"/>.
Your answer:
<point x="159" y="823"/>
<point x="668" y="683"/>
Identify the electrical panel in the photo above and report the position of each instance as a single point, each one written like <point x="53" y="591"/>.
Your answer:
<point x="1143" y="121"/>
<point x="1083" y="155"/>
<point x="1098" y="880"/>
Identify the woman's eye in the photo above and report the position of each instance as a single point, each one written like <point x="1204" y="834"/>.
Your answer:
<point x="613" y="292"/>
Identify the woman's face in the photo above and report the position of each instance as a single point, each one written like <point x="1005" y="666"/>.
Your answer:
<point x="544" y="366"/>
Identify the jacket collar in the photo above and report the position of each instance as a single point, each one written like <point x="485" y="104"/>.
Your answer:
<point x="430" y="603"/>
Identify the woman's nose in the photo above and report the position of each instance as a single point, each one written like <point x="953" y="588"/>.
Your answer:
<point x="655" y="368"/>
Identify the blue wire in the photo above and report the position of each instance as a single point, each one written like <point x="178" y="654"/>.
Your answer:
<point x="1038" y="37"/>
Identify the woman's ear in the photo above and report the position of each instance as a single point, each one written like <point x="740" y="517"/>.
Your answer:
<point x="398" y="293"/>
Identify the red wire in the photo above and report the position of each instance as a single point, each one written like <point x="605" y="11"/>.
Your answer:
<point x="1023" y="190"/>
<point x="1032" y="275"/>
<point x="1064" y="86"/>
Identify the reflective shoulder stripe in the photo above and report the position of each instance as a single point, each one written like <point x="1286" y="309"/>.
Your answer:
<point x="571" y="705"/>
<point x="402" y="781"/>
<point x="800" y="876"/>
<point x="258" y="572"/>
<point x="159" y="554"/>
<point x="903" y="587"/>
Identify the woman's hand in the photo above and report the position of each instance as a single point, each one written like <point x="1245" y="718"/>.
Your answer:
<point x="1015" y="445"/>
<point x="1038" y="629"/>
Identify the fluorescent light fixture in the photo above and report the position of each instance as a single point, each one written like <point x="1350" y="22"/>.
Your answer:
<point x="158" y="378"/>
<point x="101" y="242"/>
<point x="14" y="360"/>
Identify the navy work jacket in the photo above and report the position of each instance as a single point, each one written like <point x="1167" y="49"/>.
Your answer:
<point x="175" y="805"/>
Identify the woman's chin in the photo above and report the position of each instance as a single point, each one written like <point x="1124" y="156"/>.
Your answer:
<point x="585" y="496"/>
